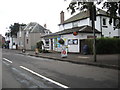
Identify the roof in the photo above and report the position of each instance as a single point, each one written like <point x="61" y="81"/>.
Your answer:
<point x="82" y="29"/>
<point x="34" y="27"/>
<point x="83" y="15"/>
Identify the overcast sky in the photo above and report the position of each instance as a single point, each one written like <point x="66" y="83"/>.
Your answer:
<point x="25" y="11"/>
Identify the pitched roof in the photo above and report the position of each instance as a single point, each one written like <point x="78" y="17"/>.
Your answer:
<point x="82" y="29"/>
<point x="34" y="27"/>
<point x="83" y="15"/>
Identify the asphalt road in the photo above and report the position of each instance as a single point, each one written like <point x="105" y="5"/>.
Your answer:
<point x="22" y="71"/>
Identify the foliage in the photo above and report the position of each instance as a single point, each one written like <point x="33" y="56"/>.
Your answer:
<point x="15" y="28"/>
<point x="7" y="34"/>
<point x="108" y="45"/>
<point x="39" y="44"/>
<point x="45" y="51"/>
<point x="105" y="45"/>
<point x="112" y="8"/>
<point x="89" y="42"/>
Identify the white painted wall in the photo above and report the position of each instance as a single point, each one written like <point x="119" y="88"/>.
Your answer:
<point x="83" y="22"/>
<point x="107" y="32"/>
<point x="68" y="25"/>
<point x="75" y="48"/>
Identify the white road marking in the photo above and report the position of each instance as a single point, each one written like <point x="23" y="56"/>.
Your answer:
<point x="50" y="80"/>
<point x="7" y="60"/>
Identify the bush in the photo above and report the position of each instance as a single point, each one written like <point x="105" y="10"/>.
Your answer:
<point x="44" y="51"/>
<point x="104" y="45"/>
<point x="40" y="50"/>
<point x="39" y="44"/>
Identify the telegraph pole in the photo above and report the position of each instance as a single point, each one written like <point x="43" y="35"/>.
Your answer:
<point x="92" y="11"/>
<point x="94" y="37"/>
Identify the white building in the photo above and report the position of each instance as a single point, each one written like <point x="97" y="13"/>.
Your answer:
<point x="81" y="24"/>
<point x="101" y="23"/>
<point x="73" y="42"/>
<point x="11" y="42"/>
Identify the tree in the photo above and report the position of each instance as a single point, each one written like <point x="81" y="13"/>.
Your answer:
<point x="14" y="29"/>
<point x="113" y="8"/>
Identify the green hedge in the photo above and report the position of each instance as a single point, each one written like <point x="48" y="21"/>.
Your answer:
<point x="105" y="45"/>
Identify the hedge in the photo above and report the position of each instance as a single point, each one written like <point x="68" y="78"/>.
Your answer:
<point x="104" y="45"/>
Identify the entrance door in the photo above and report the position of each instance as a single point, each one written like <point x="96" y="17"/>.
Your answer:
<point x="51" y="44"/>
<point x="80" y="48"/>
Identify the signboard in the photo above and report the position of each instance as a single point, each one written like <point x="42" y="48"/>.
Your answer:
<point x="64" y="51"/>
<point x="91" y="36"/>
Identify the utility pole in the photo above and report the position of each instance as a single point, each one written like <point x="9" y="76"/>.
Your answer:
<point x="94" y="37"/>
<point x="93" y="18"/>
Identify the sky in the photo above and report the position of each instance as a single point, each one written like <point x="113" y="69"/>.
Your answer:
<point x="26" y="11"/>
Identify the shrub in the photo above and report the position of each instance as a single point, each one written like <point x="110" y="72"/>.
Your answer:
<point x="104" y="45"/>
<point x="39" y="44"/>
<point x="45" y="51"/>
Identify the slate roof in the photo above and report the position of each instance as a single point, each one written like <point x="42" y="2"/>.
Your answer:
<point x="83" y="15"/>
<point x="34" y="27"/>
<point x="82" y="29"/>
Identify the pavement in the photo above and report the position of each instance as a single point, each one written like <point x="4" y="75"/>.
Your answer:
<point x="106" y="61"/>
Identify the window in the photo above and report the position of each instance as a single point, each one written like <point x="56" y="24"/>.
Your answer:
<point x="72" y="41"/>
<point x="27" y="34"/>
<point x="27" y="41"/>
<point x="104" y="21"/>
<point x="116" y="22"/>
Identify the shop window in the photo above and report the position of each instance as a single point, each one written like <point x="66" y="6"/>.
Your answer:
<point x="72" y="41"/>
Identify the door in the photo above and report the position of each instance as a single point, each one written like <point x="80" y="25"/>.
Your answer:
<point x="51" y="44"/>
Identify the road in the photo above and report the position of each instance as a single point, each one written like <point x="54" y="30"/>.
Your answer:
<point x="23" y="71"/>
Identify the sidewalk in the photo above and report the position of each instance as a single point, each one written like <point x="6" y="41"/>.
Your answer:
<point x="107" y="61"/>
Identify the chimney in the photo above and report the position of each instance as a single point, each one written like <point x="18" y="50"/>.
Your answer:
<point x="61" y="17"/>
<point x="45" y="26"/>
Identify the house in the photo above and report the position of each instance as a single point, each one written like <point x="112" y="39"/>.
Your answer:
<point x="11" y="42"/>
<point x="101" y="23"/>
<point x="81" y="25"/>
<point x="30" y="35"/>
<point x="2" y="41"/>
<point x="72" y="41"/>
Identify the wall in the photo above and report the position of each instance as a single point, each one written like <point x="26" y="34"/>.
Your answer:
<point x="34" y="38"/>
<point x="20" y="39"/>
<point x="107" y="32"/>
